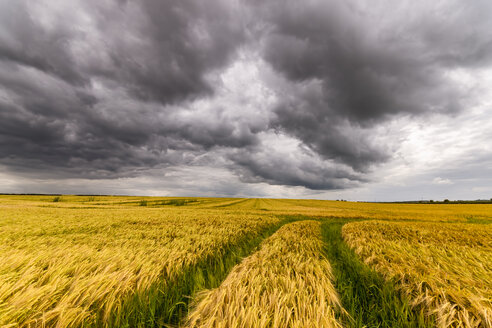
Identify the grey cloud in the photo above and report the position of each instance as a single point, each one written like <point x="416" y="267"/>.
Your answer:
<point x="159" y="50"/>
<point x="165" y="52"/>
<point x="96" y="100"/>
<point x="112" y="89"/>
<point x="303" y="113"/>
<point x="354" y="65"/>
<point x="24" y="41"/>
<point x="281" y="168"/>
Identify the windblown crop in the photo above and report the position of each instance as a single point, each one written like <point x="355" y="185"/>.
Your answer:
<point x="110" y="267"/>
<point x="446" y="268"/>
<point x="287" y="283"/>
<point x="118" y="261"/>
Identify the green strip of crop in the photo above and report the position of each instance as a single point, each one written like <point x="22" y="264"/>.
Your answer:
<point x="478" y="220"/>
<point x="166" y="303"/>
<point x="369" y="299"/>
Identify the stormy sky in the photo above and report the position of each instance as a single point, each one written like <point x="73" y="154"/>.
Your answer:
<point x="361" y="100"/>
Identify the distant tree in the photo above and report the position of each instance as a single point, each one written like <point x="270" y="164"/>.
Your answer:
<point x="431" y="201"/>
<point x="446" y="200"/>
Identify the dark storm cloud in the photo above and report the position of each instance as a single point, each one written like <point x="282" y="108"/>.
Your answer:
<point x="157" y="49"/>
<point x="354" y="65"/>
<point x="24" y="41"/>
<point x="110" y="89"/>
<point x="277" y="168"/>
<point x="170" y="46"/>
<point x="97" y="103"/>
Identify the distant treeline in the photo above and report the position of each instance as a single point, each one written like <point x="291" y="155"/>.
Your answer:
<point x="44" y="194"/>
<point x="446" y="201"/>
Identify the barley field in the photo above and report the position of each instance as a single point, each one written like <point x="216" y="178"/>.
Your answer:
<point x="121" y="261"/>
<point x="445" y="268"/>
<point x="287" y="283"/>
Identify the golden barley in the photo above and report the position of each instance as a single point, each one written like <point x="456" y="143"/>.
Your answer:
<point x="445" y="267"/>
<point x="287" y="283"/>
<point x="68" y="267"/>
<point x="68" y="261"/>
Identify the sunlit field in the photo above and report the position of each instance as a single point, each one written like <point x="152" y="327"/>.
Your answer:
<point x="287" y="283"/>
<point x="445" y="268"/>
<point x="117" y="261"/>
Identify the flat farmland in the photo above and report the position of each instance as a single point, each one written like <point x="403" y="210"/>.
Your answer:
<point x="118" y="261"/>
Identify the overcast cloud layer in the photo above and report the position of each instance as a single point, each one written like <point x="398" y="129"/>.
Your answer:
<point x="372" y="100"/>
